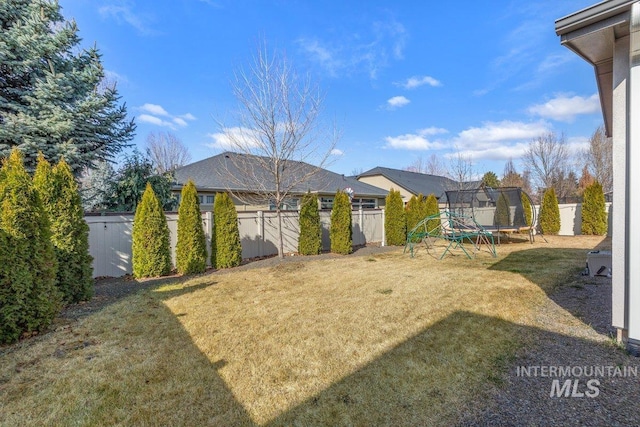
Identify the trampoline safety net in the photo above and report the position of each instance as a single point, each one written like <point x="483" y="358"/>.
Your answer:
<point x="502" y="210"/>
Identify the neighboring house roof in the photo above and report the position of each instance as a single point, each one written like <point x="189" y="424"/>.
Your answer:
<point x="414" y="182"/>
<point x="223" y="173"/>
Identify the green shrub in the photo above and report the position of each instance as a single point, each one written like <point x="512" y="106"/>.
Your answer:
<point x="395" y="226"/>
<point x="61" y="200"/>
<point x="431" y="208"/>
<point x="151" y="252"/>
<point x="226" y="249"/>
<point x="502" y="216"/>
<point x="527" y="208"/>
<point x="594" y="214"/>
<point x="191" y="248"/>
<point x="413" y="212"/>
<point x="341" y="232"/>
<point x="310" y="240"/>
<point x="29" y="298"/>
<point x="549" y="213"/>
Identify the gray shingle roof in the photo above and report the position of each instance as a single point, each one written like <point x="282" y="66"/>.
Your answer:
<point x="217" y="174"/>
<point x="416" y="183"/>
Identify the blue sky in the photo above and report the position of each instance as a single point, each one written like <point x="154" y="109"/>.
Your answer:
<point x="403" y="79"/>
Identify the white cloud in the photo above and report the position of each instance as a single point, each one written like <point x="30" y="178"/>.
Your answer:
<point x="397" y="102"/>
<point x="122" y="12"/>
<point x="154" y="109"/>
<point x="495" y="132"/>
<point x="234" y="138"/>
<point x="337" y="152"/>
<point x="179" y="121"/>
<point x="565" y="108"/>
<point x="498" y="140"/>
<point x="416" y="141"/>
<point x="146" y="118"/>
<point x="416" y="81"/>
<point x="356" y="50"/>
<point x="156" y="115"/>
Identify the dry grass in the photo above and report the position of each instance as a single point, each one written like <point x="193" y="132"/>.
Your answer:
<point x="375" y="340"/>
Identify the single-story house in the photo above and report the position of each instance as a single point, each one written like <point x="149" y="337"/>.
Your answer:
<point x="408" y="183"/>
<point x="249" y="181"/>
<point x="607" y="36"/>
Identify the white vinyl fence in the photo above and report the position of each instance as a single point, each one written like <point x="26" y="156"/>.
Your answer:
<point x="571" y="218"/>
<point x="110" y="235"/>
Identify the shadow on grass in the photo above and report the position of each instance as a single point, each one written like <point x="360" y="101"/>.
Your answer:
<point x="457" y="371"/>
<point x="445" y="375"/>
<point x="558" y="272"/>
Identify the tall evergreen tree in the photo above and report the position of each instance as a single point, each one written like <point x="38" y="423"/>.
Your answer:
<point x="549" y="213"/>
<point x="310" y="240"/>
<point x="96" y="186"/>
<point x="50" y="99"/>
<point x="151" y="253"/>
<point x="341" y="231"/>
<point x="432" y="208"/>
<point x="502" y="216"/>
<point x="70" y="233"/>
<point x="395" y="226"/>
<point x="191" y="249"/>
<point x="29" y="299"/>
<point x="226" y="249"/>
<point x="594" y="214"/>
<point x="527" y="208"/>
<point x="412" y="211"/>
<point x="131" y="181"/>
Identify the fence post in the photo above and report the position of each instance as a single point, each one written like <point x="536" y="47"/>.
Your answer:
<point x="384" y="234"/>
<point x="260" y="232"/>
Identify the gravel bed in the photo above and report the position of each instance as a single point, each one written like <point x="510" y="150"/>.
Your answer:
<point x="528" y="401"/>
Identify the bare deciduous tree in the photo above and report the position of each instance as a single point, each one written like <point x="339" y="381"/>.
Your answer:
<point x="433" y="166"/>
<point x="511" y="178"/>
<point x="547" y="157"/>
<point x="166" y="151"/>
<point x="278" y="132"/>
<point x="461" y="171"/>
<point x="599" y="159"/>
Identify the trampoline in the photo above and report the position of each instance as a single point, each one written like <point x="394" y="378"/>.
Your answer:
<point x="501" y="210"/>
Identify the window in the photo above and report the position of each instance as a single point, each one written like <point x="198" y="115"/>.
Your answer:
<point x="287" y="205"/>
<point x="363" y="203"/>
<point x="210" y="200"/>
<point x="200" y="199"/>
<point x="326" y="202"/>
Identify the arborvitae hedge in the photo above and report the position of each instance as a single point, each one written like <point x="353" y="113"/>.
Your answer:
<point x="549" y="213"/>
<point x="412" y="212"/>
<point x="431" y="208"/>
<point x="191" y="248"/>
<point x="226" y="249"/>
<point x="29" y="299"/>
<point x="310" y="240"/>
<point x="527" y="208"/>
<point x="594" y="214"/>
<point x="151" y="251"/>
<point x="395" y="227"/>
<point x="69" y="231"/>
<point x="502" y="217"/>
<point x="341" y="232"/>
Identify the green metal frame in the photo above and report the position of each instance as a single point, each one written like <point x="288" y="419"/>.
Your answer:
<point x="456" y="230"/>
